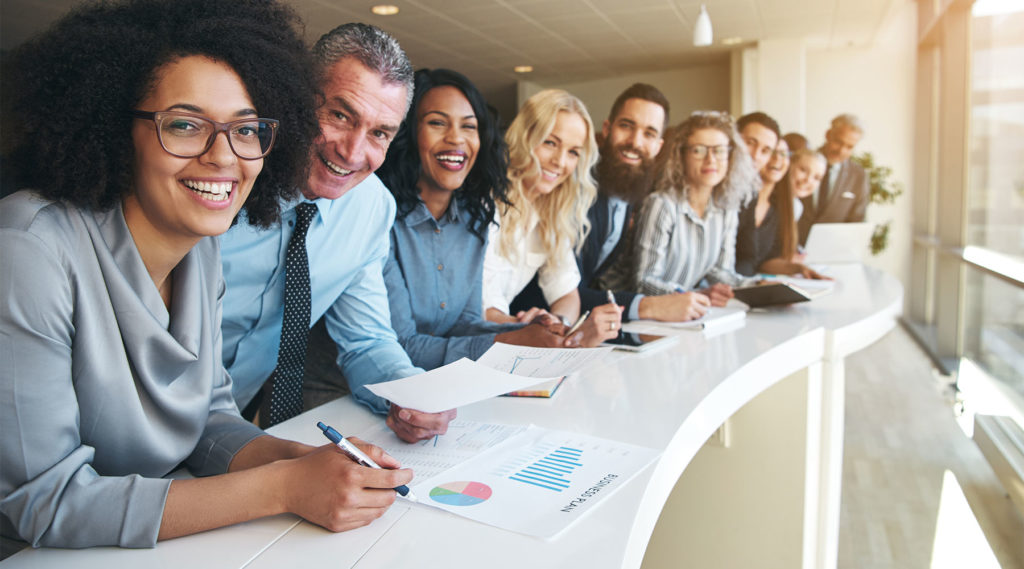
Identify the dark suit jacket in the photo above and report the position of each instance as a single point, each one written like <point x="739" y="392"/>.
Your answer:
<point x="600" y="220"/>
<point x="847" y="201"/>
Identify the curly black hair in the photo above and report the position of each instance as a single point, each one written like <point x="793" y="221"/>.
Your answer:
<point x="69" y="91"/>
<point x="486" y="183"/>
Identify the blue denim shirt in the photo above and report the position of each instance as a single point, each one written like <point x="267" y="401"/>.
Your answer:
<point x="434" y="276"/>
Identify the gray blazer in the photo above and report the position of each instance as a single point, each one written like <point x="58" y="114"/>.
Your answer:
<point x="847" y="201"/>
<point x="102" y="391"/>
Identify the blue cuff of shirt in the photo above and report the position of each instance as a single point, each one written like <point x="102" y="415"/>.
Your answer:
<point x="634" y="307"/>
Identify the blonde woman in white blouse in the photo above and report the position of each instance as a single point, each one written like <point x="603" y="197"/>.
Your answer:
<point x="551" y="152"/>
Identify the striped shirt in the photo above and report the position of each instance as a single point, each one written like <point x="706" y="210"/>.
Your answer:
<point x="675" y="249"/>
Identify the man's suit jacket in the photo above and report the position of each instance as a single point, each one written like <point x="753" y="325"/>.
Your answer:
<point x="600" y="221"/>
<point x="847" y="201"/>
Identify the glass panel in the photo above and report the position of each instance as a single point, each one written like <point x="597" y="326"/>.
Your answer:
<point x="996" y="175"/>
<point x="994" y="328"/>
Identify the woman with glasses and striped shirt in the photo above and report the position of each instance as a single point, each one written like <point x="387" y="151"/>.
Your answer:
<point x="684" y="238"/>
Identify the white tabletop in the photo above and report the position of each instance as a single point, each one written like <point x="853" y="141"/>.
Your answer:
<point x="671" y="399"/>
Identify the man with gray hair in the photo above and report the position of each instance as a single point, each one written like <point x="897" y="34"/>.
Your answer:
<point x="844" y="191"/>
<point x="326" y="257"/>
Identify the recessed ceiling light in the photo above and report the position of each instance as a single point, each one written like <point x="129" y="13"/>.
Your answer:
<point x="523" y="68"/>
<point x="385" y="9"/>
<point x="732" y="41"/>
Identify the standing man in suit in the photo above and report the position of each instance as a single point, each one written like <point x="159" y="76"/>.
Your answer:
<point x="341" y="219"/>
<point x="629" y="141"/>
<point x="843" y="193"/>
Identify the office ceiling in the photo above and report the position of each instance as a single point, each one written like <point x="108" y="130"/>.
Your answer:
<point x="564" y="40"/>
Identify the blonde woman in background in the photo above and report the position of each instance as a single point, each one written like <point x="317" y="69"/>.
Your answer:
<point x="551" y="153"/>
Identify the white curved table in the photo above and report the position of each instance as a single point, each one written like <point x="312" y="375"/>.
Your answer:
<point x="672" y="399"/>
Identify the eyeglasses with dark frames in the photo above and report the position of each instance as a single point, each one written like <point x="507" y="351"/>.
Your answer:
<point x="718" y="152"/>
<point x="187" y="135"/>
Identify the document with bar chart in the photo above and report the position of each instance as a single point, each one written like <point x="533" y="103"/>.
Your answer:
<point x="537" y="482"/>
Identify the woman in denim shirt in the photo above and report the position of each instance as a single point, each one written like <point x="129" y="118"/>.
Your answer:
<point x="446" y="168"/>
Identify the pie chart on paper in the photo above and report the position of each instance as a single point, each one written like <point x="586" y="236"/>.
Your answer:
<point x="460" y="493"/>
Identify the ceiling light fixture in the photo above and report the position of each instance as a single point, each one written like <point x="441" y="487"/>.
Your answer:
<point x="523" y="68"/>
<point x="385" y="9"/>
<point x="702" y="30"/>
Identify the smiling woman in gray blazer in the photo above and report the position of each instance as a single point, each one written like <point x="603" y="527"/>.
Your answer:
<point x="110" y="323"/>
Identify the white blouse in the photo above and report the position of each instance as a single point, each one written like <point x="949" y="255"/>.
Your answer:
<point x="505" y="278"/>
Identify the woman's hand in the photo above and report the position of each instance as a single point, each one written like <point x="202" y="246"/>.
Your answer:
<point x="719" y="294"/>
<point x="808" y="273"/>
<point x="538" y="315"/>
<point x="329" y="489"/>
<point x="674" y="307"/>
<point x="536" y="334"/>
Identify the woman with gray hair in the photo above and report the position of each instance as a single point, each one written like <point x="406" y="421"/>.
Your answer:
<point x="685" y="235"/>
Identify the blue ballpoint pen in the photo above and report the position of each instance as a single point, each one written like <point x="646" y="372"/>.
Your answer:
<point x="353" y="452"/>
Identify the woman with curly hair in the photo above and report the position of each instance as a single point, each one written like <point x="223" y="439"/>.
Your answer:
<point x="686" y="230"/>
<point x="112" y="374"/>
<point x="446" y="168"/>
<point x="551" y="153"/>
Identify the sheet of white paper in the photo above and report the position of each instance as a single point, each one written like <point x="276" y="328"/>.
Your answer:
<point x="813" y="286"/>
<point x="539" y="362"/>
<point x="464" y="440"/>
<point x="459" y="383"/>
<point x="715" y="316"/>
<point x="537" y="482"/>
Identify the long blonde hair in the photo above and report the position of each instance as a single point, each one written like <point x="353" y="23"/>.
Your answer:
<point x="563" y="212"/>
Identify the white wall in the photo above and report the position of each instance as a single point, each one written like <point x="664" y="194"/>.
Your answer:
<point x="876" y="83"/>
<point x="704" y="87"/>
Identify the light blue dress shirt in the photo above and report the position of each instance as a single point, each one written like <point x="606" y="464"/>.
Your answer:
<point x="347" y="245"/>
<point x="434" y="277"/>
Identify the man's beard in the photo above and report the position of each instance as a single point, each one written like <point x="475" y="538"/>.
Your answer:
<point x="624" y="181"/>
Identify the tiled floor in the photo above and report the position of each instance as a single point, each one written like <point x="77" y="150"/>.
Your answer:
<point x="906" y="466"/>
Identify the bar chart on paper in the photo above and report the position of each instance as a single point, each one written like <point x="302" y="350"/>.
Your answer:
<point x="537" y="482"/>
<point x="553" y="471"/>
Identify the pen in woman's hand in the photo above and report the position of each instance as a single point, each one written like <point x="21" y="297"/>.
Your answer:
<point x="579" y="322"/>
<point x="350" y="450"/>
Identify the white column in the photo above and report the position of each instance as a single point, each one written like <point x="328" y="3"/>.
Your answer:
<point x="781" y="83"/>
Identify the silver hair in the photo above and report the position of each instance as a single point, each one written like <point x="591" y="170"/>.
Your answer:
<point x="849" y="120"/>
<point x="371" y="46"/>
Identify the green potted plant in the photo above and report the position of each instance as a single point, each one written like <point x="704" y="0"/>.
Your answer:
<point x="883" y="190"/>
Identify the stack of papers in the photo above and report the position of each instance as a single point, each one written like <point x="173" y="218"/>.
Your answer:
<point x="539" y="363"/>
<point x="714" y="320"/>
<point x="502" y="369"/>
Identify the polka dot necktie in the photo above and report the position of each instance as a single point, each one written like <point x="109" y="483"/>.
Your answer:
<point x="285" y="399"/>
